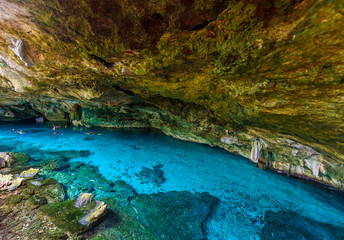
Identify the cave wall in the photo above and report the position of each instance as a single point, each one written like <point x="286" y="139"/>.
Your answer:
<point x="234" y="74"/>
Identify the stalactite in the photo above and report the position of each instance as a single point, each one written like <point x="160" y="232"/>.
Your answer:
<point x="255" y="151"/>
<point x="19" y="49"/>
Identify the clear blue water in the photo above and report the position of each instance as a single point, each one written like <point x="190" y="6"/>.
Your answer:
<point x="246" y="193"/>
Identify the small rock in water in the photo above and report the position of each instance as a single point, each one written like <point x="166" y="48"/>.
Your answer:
<point x="94" y="215"/>
<point x="83" y="199"/>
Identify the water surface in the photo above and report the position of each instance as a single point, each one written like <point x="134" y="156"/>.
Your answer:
<point x="246" y="193"/>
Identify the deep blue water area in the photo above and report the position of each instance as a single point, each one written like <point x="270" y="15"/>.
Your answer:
<point x="254" y="204"/>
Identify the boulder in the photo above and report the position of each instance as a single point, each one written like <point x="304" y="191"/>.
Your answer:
<point x="94" y="215"/>
<point x="5" y="181"/>
<point x="15" y="184"/>
<point x="28" y="174"/>
<point x="83" y="199"/>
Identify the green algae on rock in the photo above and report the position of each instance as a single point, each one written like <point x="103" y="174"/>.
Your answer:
<point x="31" y="202"/>
<point x="66" y="216"/>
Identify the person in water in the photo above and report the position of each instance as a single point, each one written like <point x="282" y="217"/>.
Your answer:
<point x="56" y="127"/>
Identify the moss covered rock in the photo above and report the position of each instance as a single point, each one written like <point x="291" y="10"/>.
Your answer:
<point x="67" y="217"/>
<point x="21" y="158"/>
<point x="28" y="174"/>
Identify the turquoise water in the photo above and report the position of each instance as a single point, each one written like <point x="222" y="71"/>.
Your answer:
<point x="252" y="201"/>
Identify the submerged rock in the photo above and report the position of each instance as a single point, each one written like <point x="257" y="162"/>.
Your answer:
<point x="170" y="215"/>
<point x="291" y="225"/>
<point x="21" y="158"/>
<point x="55" y="165"/>
<point x="153" y="176"/>
<point x="178" y="215"/>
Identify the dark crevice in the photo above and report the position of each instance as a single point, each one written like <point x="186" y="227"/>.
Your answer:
<point x="124" y="90"/>
<point x="101" y="60"/>
<point x="201" y="26"/>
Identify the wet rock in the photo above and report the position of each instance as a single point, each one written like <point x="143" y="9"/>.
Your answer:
<point x="123" y="192"/>
<point x="6" y="159"/>
<point x="153" y="176"/>
<point x="36" y="183"/>
<point x="83" y="199"/>
<point x="76" y="113"/>
<point x="21" y="158"/>
<point x="5" y="181"/>
<point x="94" y="215"/>
<point x="51" y="189"/>
<point x="15" y="184"/>
<point x="37" y="210"/>
<point x="10" y="182"/>
<point x="80" y="177"/>
<point x="28" y="174"/>
<point x="55" y="165"/>
<point x="72" y="219"/>
<point x="35" y="202"/>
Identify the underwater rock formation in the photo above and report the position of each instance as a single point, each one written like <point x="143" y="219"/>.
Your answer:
<point x="198" y="70"/>
<point x="280" y="223"/>
<point x="153" y="176"/>
<point x="38" y="209"/>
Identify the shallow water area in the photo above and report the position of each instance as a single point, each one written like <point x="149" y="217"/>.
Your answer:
<point x="254" y="204"/>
